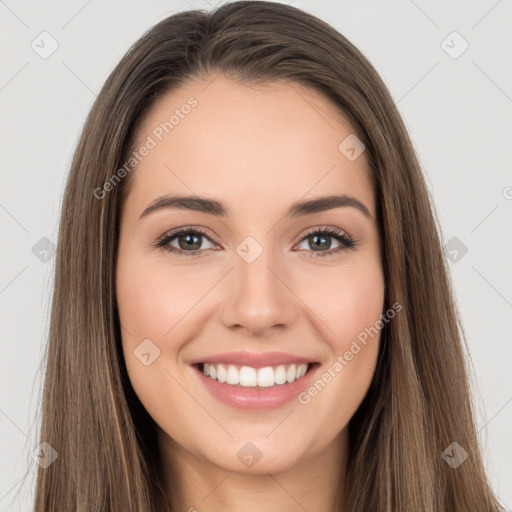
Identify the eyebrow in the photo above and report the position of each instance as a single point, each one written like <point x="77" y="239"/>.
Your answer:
<point x="217" y="208"/>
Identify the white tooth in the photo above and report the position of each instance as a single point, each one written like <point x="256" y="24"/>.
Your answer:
<point x="251" y="377"/>
<point x="291" y="373"/>
<point x="233" y="376"/>
<point x="222" y="374"/>
<point x="266" y="377"/>
<point x="248" y="376"/>
<point x="280" y="375"/>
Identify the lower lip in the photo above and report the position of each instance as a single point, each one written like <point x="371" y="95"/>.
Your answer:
<point x="253" y="399"/>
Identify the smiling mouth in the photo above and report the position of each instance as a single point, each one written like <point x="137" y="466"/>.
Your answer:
<point x="248" y="377"/>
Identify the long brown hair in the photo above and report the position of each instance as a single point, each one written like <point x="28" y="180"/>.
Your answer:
<point x="108" y="458"/>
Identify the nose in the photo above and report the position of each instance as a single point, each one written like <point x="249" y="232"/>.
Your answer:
<point x="258" y="297"/>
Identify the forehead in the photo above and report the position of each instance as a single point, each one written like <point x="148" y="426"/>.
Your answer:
<point x="252" y="145"/>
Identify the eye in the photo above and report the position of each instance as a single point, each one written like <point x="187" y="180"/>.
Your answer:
<point x="188" y="241"/>
<point x="319" y="238"/>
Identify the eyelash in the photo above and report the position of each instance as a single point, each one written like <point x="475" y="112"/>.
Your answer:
<point x="345" y="240"/>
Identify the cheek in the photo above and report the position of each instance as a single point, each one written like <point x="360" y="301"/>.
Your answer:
<point x="356" y="342"/>
<point x="151" y="301"/>
<point x="349" y="299"/>
<point x="350" y="306"/>
<point x="153" y="297"/>
<point x="359" y="306"/>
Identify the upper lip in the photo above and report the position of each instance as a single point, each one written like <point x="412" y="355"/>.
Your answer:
<point x="255" y="360"/>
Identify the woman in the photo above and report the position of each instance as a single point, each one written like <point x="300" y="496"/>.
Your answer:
<point x="253" y="370"/>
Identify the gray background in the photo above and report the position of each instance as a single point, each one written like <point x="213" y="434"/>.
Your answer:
<point x="458" y="111"/>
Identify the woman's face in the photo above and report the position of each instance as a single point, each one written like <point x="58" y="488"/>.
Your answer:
<point x="262" y="290"/>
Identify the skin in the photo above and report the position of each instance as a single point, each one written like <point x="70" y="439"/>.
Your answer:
<point x="258" y="149"/>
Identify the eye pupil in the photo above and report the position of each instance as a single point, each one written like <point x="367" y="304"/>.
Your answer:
<point x="187" y="244"/>
<point x="314" y="239"/>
